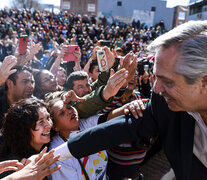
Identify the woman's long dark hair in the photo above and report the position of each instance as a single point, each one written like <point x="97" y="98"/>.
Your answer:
<point x="18" y="122"/>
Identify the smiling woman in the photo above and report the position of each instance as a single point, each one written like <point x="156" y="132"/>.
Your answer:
<point x="26" y="129"/>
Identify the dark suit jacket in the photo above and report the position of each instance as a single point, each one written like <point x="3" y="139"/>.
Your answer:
<point x="176" y="130"/>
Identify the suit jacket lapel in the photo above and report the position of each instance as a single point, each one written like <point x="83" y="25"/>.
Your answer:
<point x="187" y="141"/>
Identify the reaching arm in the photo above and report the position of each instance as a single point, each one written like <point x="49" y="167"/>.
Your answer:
<point x="10" y="165"/>
<point x="135" y="107"/>
<point x="38" y="168"/>
<point x="58" y="60"/>
<point x="101" y="97"/>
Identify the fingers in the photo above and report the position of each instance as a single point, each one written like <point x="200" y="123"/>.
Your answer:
<point x="118" y="85"/>
<point x="64" y="50"/>
<point x="114" y="83"/>
<point x="9" y="168"/>
<point x="126" y="111"/>
<point x="19" y="166"/>
<point x="5" y="68"/>
<point x="107" y="50"/>
<point x="136" y="107"/>
<point x="11" y="72"/>
<point x="127" y="60"/>
<point x="135" y="110"/>
<point x="44" y="163"/>
<point x="132" y="68"/>
<point x="118" y="77"/>
<point x="9" y="60"/>
<point x="48" y="159"/>
<point x="133" y="65"/>
<point x="67" y="97"/>
<point x="49" y="171"/>
<point x="114" y="53"/>
<point x="24" y="161"/>
<point x="71" y="96"/>
<point x="10" y="165"/>
<point x="121" y="61"/>
<point x="112" y="72"/>
<point x="94" y="52"/>
<point x="45" y="157"/>
<point x="139" y="104"/>
<point x="109" y="56"/>
<point x="119" y="73"/>
<point x="4" y="164"/>
<point x="130" y="64"/>
<point x="41" y="154"/>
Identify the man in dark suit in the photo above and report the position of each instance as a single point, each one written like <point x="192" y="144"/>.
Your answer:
<point x="177" y="111"/>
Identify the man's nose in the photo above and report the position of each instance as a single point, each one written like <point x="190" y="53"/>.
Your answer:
<point x="158" y="88"/>
<point x="86" y="89"/>
<point x="30" y="84"/>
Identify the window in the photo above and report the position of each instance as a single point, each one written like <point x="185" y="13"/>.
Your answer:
<point x="181" y="16"/>
<point x="194" y="9"/>
<point x="91" y="7"/>
<point x="66" y="5"/>
<point x="204" y="8"/>
<point x="153" y="8"/>
<point x="119" y="3"/>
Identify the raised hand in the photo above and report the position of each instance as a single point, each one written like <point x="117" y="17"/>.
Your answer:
<point x="114" y="83"/>
<point x="5" y="68"/>
<point x="64" y="50"/>
<point x="35" y="48"/>
<point x="38" y="168"/>
<point x="130" y="64"/>
<point x="71" y="96"/>
<point x="110" y="56"/>
<point x="77" y="53"/>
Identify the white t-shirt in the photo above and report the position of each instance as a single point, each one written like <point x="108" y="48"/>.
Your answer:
<point x="95" y="164"/>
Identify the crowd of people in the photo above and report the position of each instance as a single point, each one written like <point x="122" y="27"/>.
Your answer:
<point x="96" y="119"/>
<point x="44" y="97"/>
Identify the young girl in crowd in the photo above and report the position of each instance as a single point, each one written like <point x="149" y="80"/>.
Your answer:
<point x="65" y="120"/>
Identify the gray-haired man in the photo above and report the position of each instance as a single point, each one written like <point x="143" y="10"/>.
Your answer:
<point x="177" y="111"/>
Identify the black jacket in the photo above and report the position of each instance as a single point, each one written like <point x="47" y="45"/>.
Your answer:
<point x="176" y="130"/>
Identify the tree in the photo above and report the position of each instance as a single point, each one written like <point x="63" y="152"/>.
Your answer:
<point x="26" y="4"/>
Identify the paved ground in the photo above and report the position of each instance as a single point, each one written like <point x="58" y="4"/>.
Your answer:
<point x="155" y="167"/>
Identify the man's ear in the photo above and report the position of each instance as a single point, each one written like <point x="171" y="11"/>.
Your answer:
<point x="9" y="83"/>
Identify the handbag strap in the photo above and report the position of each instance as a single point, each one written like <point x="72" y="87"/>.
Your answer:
<point x="81" y="164"/>
<point x="83" y="169"/>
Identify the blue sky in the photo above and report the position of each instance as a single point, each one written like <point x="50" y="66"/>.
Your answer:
<point x="170" y="3"/>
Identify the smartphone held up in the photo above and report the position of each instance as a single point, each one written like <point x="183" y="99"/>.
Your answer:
<point x="105" y="43"/>
<point x="102" y="60"/>
<point x="23" y="42"/>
